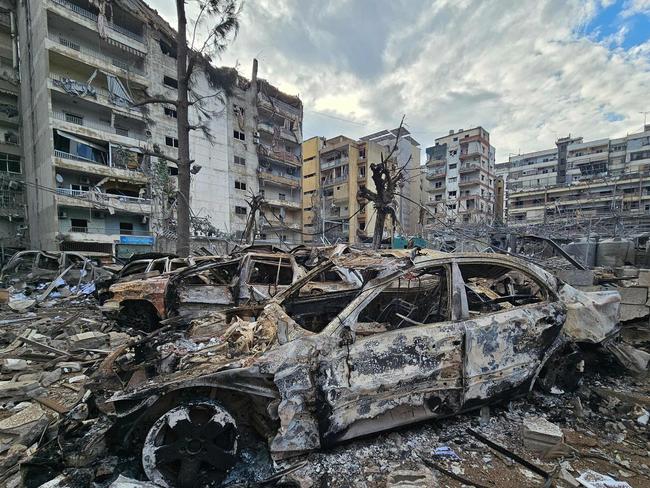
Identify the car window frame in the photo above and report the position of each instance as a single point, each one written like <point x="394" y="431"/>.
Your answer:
<point x="369" y="292"/>
<point x="550" y="294"/>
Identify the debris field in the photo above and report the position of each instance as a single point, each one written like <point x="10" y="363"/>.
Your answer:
<point x="322" y="367"/>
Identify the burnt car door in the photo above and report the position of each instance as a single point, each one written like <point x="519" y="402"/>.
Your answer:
<point x="401" y="360"/>
<point x="513" y="319"/>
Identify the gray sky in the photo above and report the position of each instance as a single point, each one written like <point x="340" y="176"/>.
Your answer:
<point x="527" y="71"/>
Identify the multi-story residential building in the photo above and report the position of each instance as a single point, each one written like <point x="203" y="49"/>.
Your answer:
<point x="333" y="172"/>
<point x="460" y="176"/>
<point x="93" y="183"/>
<point x="12" y="191"/>
<point x="580" y="180"/>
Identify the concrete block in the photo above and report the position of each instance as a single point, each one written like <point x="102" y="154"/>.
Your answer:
<point x="626" y="272"/>
<point x="88" y="340"/>
<point x="540" y="435"/>
<point x="632" y="312"/>
<point x="20" y="390"/>
<point x="644" y="277"/>
<point x="23" y="427"/>
<point x="589" y="289"/>
<point x="633" y="295"/>
<point x="576" y="277"/>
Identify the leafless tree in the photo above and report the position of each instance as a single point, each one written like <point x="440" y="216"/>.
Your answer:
<point x="219" y="20"/>
<point x="387" y="178"/>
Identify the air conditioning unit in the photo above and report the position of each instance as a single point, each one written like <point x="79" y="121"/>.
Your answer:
<point x="63" y="214"/>
<point x="256" y="138"/>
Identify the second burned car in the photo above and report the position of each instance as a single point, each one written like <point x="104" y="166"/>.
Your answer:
<point x="426" y="336"/>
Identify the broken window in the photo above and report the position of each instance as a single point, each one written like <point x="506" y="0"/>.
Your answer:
<point x="415" y="298"/>
<point x="78" y="225"/>
<point x="170" y="82"/>
<point x="47" y="262"/>
<point x="158" y="266"/>
<point x="240" y="185"/>
<point x="170" y="112"/>
<point x="240" y="210"/>
<point x="239" y="135"/>
<point x="9" y="163"/>
<point x="269" y="273"/>
<point x="171" y="141"/>
<point x="492" y="288"/>
<point x="134" y="267"/>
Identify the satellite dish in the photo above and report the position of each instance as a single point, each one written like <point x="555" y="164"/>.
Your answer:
<point x="59" y="178"/>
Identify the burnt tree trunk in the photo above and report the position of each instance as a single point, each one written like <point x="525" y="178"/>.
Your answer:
<point x="378" y="235"/>
<point x="183" y="129"/>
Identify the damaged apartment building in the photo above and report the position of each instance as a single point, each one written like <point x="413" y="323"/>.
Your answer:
<point x="333" y="172"/>
<point x="460" y="179"/>
<point x="93" y="181"/>
<point x="579" y="181"/>
<point x="12" y="190"/>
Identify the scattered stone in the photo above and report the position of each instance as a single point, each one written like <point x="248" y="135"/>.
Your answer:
<point x="592" y="479"/>
<point x="632" y="312"/>
<point x="576" y="277"/>
<point x="12" y="364"/>
<point x="88" y="340"/>
<point x="69" y="366"/>
<point x="23" y="427"/>
<point x="50" y="377"/>
<point x="540" y="435"/>
<point x="634" y="295"/>
<point x="20" y="390"/>
<point x="567" y="477"/>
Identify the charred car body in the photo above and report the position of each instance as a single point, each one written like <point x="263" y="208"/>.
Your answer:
<point x="36" y="266"/>
<point x="425" y="337"/>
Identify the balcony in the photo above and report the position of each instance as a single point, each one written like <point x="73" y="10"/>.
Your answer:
<point x="96" y="59"/>
<point x="93" y="233"/>
<point x="283" y="203"/>
<point x="278" y="155"/>
<point x="436" y="174"/>
<point x="274" y="105"/>
<point x="278" y="179"/>
<point x="277" y="130"/>
<point x="469" y="167"/>
<point x="334" y="181"/>
<point x="333" y="163"/>
<point x="77" y="163"/>
<point x="93" y="18"/>
<point x="469" y="154"/>
<point x="274" y="223"/>
<point x="432" y="163"/>
<point x="102" y="95"/>
<point x="468" y="181"/>
<point x="92" y="199"/>
<point x="98" y="126"/>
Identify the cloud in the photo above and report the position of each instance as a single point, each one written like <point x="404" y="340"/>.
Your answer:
<point x="526" y="71"/>
<point x="634" y="7"/>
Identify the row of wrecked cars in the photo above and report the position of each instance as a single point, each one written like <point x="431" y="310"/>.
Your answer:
<point x="303" y="350"/>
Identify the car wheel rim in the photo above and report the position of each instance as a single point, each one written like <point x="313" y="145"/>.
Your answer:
<point x="194" y="444"/>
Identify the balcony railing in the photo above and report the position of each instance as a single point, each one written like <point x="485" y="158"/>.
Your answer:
<point x="102" y="92"/>
<point x="67" y="155"/>
<point x="333" y="163"/>
<point x="468" y="181"/>
<point x="278" y="155"/>
<point x="468" y="167"/>
<point x="102" y="197"/>
<point x="92" y="124"/>
<point x="91" y="16"/>
<point x="103" y="58"/>
<point x="334" y="181"/>
<point x="110" y="232"/>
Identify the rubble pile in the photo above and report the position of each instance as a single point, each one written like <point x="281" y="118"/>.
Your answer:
<point x="46" y="356"/>
<point x="310" y="376"/>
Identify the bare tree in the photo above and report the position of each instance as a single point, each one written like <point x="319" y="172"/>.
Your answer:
<point x="221" y="20"/>
<point x="387" y="179"/>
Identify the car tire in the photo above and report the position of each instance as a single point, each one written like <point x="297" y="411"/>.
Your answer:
<point x="192" y="444"/>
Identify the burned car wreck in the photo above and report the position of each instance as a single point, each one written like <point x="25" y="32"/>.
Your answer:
<point x="425" y="336"/>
